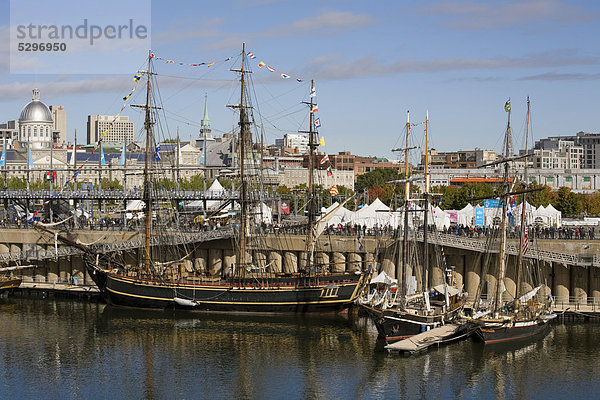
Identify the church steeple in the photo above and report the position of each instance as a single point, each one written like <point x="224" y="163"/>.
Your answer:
<point x="205" y="131"/>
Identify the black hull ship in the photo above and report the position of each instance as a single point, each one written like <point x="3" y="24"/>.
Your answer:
<point x="524" y="316"/>
<point x="500" y="331"/>
<point x="407" y="315"/>
<point x="277" y="294"/>
<point x="151" y="283"/>
<point x="395" y="325"/>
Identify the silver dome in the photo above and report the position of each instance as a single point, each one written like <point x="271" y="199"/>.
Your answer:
<point x="35" y="111"/>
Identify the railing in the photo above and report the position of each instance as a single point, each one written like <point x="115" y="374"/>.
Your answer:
<point x="33" y="251"/>
<point x="480" y="245"/>
<point x="576" y="304"/>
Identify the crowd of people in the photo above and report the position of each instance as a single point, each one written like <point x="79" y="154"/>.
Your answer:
<point x="346" y="229"/>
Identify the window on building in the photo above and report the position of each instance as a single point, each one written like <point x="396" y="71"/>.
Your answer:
<point x="569" y="179"/>
<point x="587" y="179"/>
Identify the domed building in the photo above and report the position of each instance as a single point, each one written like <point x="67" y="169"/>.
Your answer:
<point x="36" y="124"/>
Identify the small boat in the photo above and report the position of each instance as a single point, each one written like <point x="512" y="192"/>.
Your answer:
<point x="523" y="317"/>
<point x="396" y="314"/>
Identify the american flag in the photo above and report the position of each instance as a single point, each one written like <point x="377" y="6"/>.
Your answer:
<point x="525" y="240"/>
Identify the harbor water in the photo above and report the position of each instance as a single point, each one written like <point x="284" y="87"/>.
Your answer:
<point x="58" y="349"/>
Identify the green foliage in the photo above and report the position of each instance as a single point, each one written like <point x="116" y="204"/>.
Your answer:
<point x="106" y="183"/>
<point x="376" y="177"/>
<point x="541" y="197"/>
<point x="568" y="202"/>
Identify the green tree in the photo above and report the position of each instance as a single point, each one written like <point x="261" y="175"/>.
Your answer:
<point x="376" y="177"/>
<point x="567" y="201"/>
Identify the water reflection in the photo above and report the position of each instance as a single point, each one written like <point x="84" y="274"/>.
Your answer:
<point x="82" y="350"/>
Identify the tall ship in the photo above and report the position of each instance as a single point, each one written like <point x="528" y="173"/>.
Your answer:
<point x="248" y="284"/>
<point x="510" y="316"/>
<point x="396" y="312"/>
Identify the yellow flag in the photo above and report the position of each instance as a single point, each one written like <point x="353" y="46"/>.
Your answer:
<point x="322" y="141"/>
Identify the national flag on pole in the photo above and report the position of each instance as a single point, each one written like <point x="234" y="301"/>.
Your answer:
<point x="270" y="68"/>
<point x="322" y="141"/>
<point x="261" y="64"/>
<point x="324" y="159"/>
<point x="156" y="155"/>
<point x="3" y="158"/>
<point x="250" y="55"/>
<point x="315" y="108"/>
<point x="329" y="172"/>
<point x="102" y="159"/>
<point x="318" y="123"/>
<point x="333" y="190"/>
<point x="525" y="240"/>
<point x="313" y="92"/>
<point x="122" y="161"/>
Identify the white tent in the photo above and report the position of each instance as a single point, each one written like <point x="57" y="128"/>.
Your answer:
<point x="547" y="216"/>
<point x="441" y="218"/>
<point x="384" y="279"/>
<point x="465" y="216"/>
<point x="262" y="213"/>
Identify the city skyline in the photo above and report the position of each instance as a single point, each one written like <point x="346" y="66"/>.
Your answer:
<point x="459" y="60"/>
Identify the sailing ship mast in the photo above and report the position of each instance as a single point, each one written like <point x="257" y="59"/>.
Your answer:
<point x="147" y="195"/>
<point x="242" y="142"/>
<point x="502" y="255"/>
<point x="426" y="211"/>
<point x="523" y="210"/>
<point x="406" y="196"/>
<point x="311" y="198"/>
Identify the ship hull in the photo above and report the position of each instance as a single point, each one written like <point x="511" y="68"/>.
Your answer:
<point x="395" y="325"/>
<point x="286" y="294"/>
<point x="8" y="284"/>
<point x="490" y="333"/>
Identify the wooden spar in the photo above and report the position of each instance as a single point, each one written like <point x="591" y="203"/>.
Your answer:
<point x="425" y="278"/>
<point x="147" y="180"/>
<point x="503" y="202"/>
<point x="523" y="202"/>
<point x="310" y="189"/>
<point x="406" y="196"/>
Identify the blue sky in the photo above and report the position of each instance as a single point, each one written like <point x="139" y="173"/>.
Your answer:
<point x="372" y="61"/>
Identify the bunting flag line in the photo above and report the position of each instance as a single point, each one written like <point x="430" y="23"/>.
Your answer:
<point x="272" y="69"/>
<point x="156" y="155"/>
<point x="322" y="141"/>
<point x="324" y="159"/>
<point x="334" y="190"/>
<point x="313" y="92"/>
<point x="329" y="172"/>
<point x="318" y="123"/>
<point x="137" y="77"/>
<point x="196" y="64"/>
<point x="315" y="108"/>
